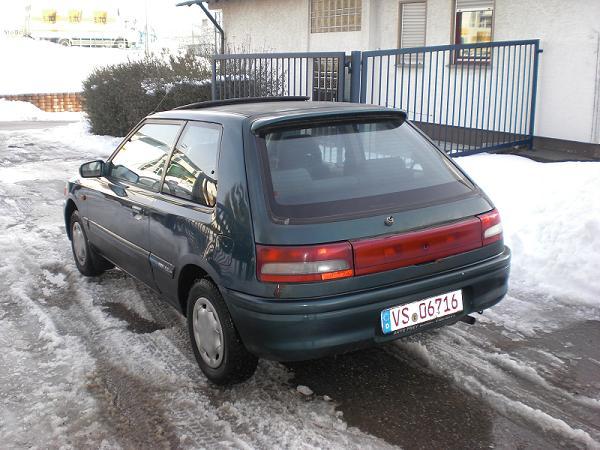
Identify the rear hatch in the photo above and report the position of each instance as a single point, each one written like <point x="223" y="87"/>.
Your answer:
<point x="361" y="196"/>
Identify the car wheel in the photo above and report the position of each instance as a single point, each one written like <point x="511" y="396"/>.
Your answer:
<point x="216" y="343"/>
<point x="87" y="260"/>
<point x="122" y="44"/>
<point x="65" y="42"/>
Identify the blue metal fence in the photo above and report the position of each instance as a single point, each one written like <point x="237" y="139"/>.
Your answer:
<point x="468" y="98"/>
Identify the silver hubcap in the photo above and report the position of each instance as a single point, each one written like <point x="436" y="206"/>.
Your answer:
<point x="79" y="247"/>
<point x="208" y="333"/>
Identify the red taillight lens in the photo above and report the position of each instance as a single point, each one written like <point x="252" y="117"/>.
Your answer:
<point x="302" y="264"/>
<point x="407" y="249"/>
<point x="491" y="227"/>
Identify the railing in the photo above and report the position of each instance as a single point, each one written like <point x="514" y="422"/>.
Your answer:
<point x="468" y="98"/>
<point x="318" y="75"/>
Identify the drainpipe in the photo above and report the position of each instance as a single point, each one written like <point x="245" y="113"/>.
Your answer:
<point x="596" y="111"/>
<point x="210" y="17"/>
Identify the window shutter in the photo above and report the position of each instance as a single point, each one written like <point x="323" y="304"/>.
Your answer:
<point x="413" y="24"/>
<point x="474" y="5"/>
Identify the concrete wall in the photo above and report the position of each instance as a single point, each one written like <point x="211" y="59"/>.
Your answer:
<point x="569" y="33"/>
<point x="284" y="25"/>
<point x="568" y="104"/>
<point x="265" y="25"/>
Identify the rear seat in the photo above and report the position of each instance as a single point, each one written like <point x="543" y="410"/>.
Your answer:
<point x="296" y="185"/>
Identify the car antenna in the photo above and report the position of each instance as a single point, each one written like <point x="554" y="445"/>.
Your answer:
<point x="160" y="103"/>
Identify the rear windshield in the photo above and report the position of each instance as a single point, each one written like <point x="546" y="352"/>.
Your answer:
<point x="354" y="169"/>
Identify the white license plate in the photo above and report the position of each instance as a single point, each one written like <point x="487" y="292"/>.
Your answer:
<point x="410" y="314"/>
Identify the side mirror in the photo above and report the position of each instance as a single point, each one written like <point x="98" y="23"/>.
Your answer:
<point x="92" y="169"/>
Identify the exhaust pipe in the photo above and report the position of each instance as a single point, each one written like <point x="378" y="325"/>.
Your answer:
<point x="468" y="319"/>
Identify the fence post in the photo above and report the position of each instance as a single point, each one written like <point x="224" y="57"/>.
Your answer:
<point x="341" y="75"/>
<point x="364" y="77"/>
<point x="536" y="57"/>
<point x="355" y="59"/>
<point x="213" y="87"/>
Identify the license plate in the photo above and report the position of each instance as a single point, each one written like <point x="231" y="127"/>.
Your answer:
<point x="421" y="311"/>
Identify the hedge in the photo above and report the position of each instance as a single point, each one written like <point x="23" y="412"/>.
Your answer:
<point x="117" y="97"/>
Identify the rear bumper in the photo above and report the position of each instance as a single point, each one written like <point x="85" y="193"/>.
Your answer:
<point x="292" y="330"/>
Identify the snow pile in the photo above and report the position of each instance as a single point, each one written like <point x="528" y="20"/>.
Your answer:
<point x="25" y="111"/>
<point x="30" y="66"/>
<point x="15" y="110"/>
<point x="304" y="390"/>
<point x="551" y="217"/>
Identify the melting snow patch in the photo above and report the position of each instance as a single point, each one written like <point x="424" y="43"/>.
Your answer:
<point x="304" y="390"/>
<point x="513" y="407"/>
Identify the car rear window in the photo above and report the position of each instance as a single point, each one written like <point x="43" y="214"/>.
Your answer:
<point x="345" y="170"/>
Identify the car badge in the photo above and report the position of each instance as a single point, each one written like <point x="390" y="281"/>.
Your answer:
<point x="389" y="221"/>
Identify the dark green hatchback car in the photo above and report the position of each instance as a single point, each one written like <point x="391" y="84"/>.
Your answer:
<point x="289" y="230"/>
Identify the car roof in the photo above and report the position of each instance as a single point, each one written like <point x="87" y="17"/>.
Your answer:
<point x="256" y="110"/>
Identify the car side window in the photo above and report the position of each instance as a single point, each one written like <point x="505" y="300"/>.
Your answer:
<point x="192" y="171"/>
<point x="142" y="159"/>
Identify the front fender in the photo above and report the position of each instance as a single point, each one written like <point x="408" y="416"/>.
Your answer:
<point x="70" y="206"/>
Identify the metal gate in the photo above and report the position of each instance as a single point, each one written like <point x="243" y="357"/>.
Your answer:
<point x="468" y="98"/>
<point x="318" y="75"/>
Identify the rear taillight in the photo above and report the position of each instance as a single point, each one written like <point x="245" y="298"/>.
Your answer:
<point x="491" y="227"/>
<point x="302" y="264"/>
<point x="416" y="247"/>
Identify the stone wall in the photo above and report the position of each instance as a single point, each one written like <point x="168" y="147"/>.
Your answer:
<point x="60" y="102"/>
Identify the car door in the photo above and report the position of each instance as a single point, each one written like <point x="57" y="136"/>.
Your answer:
<point x="183" y="223"/>
<point x="119" y="205"/>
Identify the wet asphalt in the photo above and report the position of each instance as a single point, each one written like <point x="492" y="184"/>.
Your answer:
<point x="32" y="125"/>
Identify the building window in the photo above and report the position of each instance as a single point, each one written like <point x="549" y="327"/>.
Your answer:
<point x="325" y="79"/>
<point x="49" y="16"/>
<point x="100" y="16"/>
<point x="335" y="15"/>
<point x="75" y="16"/>
<point x="413" y="19"/>
<point x="473" y="25"/>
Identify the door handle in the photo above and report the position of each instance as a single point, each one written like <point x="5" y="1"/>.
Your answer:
<point x="137" y="212"/>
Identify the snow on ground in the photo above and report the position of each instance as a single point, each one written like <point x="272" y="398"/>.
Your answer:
<point x="551" y="217"/>
<point x="11" y="111"/>
<point x="30" y="66"/>
<point x="534" y="356"/>
<point x="105" y="363"/>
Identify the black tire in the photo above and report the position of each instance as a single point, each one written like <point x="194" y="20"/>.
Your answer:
<point x="91" y="264"/>
<point x="236" y="363"/>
